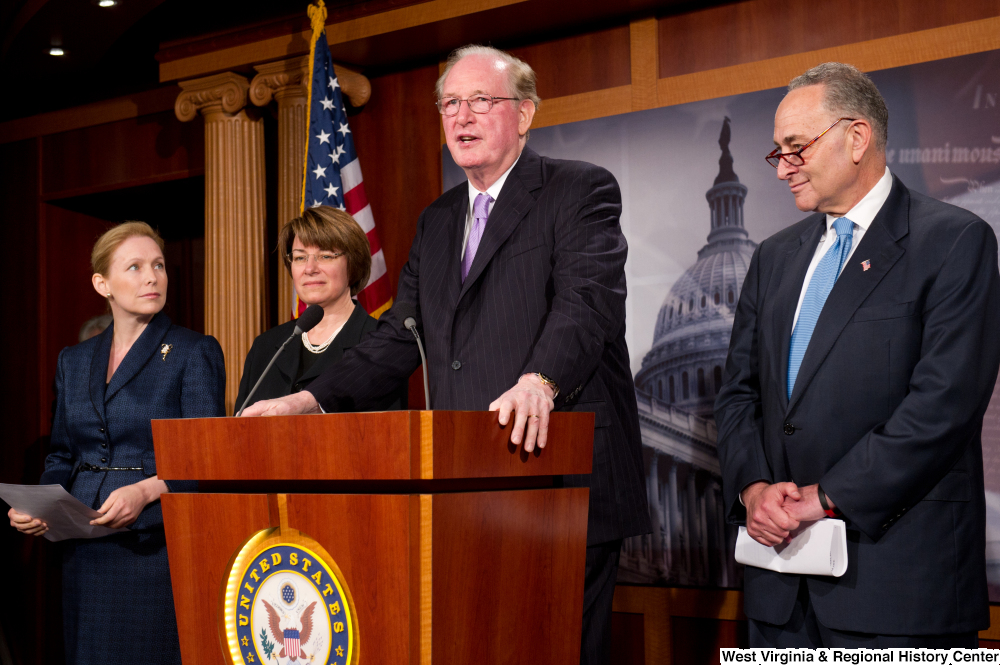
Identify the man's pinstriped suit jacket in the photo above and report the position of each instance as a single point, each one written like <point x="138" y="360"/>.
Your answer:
<point x="545" y="293"/>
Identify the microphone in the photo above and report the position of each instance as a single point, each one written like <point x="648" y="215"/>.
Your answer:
<point x="407" y="312"/>
<point x="306" y="322"/>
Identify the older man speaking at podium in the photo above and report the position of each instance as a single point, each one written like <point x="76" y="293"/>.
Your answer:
<point x="518" y="283"/>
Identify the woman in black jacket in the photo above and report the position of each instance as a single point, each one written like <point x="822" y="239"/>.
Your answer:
<point x="328" y="256"/>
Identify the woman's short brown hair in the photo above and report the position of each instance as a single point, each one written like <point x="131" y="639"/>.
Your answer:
<point x="104" y="248"/>
<point x="333" y="230"/>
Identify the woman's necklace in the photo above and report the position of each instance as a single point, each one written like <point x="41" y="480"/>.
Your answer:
<point x="320" y="348"/>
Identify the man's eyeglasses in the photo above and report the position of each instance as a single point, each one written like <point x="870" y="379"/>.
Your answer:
<point x="795" y="158"/>
<point x="449" y="106"/>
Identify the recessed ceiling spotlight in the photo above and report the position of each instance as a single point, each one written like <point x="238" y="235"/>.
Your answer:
<point x="107" y="3"/>
<point x="55" y="50"/>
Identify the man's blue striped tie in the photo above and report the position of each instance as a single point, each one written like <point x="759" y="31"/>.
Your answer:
<point x="819" y="289"/>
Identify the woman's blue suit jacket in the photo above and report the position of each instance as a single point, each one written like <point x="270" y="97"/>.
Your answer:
<point x="170" y="372"/>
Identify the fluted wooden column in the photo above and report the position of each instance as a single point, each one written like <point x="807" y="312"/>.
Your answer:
<point x="287" y="83"/>
<point x="235" y="268"/>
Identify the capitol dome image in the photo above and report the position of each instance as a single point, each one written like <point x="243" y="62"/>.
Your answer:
<point x="675" y="389"/>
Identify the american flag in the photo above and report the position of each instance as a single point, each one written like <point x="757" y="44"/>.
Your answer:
<point x="332" y="174"/>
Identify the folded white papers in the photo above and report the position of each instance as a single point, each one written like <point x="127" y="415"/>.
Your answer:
<point x="63" y="512"/>
<point x="818" y="549"/>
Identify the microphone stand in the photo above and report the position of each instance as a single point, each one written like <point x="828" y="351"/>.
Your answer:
<point x="266" y="369"/>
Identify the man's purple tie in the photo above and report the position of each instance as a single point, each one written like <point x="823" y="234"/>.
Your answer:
<point x="480" y="211"/>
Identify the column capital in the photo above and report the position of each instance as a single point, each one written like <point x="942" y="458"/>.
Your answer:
<point x="224" y="92"/>
<point x="282" y="76"/>
<point x="291" y="77"/>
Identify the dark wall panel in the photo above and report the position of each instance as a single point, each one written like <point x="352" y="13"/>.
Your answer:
<point x="397" y="137"/>
<point x="33" y="562"/>
<point x="70" y="297"/>
<point x="398" y="143"/>
<point x="581" y="63"/>
<point x="744" y="32"/>
<point x="120" y="154"/>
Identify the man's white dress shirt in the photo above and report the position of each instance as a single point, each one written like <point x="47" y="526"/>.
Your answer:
<point x="494" y="191"/>
<point x="862" y="215"/>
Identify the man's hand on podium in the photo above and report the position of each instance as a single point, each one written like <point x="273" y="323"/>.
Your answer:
<point x="302" y="402"/>
<point x="531" y="401"/>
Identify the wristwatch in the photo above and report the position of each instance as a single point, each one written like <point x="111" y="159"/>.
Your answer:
<point x="549" y="382"/>
<point x="824" y="504"/>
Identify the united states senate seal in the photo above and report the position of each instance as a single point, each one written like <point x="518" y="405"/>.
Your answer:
<point x="286" y="603"/>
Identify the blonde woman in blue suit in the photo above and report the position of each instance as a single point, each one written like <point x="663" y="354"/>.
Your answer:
<point x="117" y="600"/>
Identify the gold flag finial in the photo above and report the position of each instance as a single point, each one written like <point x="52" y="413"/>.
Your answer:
<point x="317" y="14"/>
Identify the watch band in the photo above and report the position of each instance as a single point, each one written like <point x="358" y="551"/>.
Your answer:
<point x="830" y="512"/>
<point x="549" y="382"/>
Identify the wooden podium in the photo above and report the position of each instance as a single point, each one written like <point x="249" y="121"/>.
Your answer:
<point x="454" y="545"/>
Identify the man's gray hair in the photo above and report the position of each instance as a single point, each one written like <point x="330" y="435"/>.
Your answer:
<point x="521" y="77"/>
<point x="849" y="94"/>
<point x="94" y="326"/>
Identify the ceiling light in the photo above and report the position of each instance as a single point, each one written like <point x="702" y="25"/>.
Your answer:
<point x="107" y="3"/>
<point x="55" y="50"/>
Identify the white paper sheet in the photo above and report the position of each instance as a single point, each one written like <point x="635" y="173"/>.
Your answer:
<point x="818" y="549"/>
<point x="65" y="515"/>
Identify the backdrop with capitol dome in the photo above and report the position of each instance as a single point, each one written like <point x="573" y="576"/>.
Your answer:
<point x="697" y="198"/>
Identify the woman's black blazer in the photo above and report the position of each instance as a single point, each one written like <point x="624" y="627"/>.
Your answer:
<point x="281" y="381"/>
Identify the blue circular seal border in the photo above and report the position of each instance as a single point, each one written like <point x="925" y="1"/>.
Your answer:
<point x="283" y="557"/>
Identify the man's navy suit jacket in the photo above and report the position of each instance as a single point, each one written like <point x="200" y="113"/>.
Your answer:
<point x="545" y="293"/>
<point x="886" y="414"/>
<point x="108" y="424"/>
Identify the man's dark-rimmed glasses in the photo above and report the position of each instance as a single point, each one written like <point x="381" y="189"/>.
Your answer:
<point x="795" y="158"/>
<point x="449" y="106"/>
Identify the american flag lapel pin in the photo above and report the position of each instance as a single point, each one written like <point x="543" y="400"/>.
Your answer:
<point x="865" y="265"/>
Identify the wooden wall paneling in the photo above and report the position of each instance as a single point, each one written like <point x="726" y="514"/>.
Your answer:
<point x="70" y="298"/>
<point x="368" y="537"/>
<point x="600" y="60"/>
<point x="698" y="641"/>
<point x="660" y="605"/>
<point x="204" y="532"/>
<point x="21" y="273"/>
<point x="123" y="153"/>
<point x="643" y="42"/>
<point x="98" y="113"/>
<point x="186" y="282"/>
<point x="898" y="51"/>
<point x="283" y="46"/>
<point x="744" y="32"/>
<point x="585" y="106"/>
<point x="628" y="642"/>
<point x="496" y="556"/>
<point x="35" y="563"/>
<point x="993" y="632"/>
<point x="396" y="136"/>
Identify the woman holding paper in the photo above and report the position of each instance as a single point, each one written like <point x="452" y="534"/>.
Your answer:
<point x="117" y="601"/>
